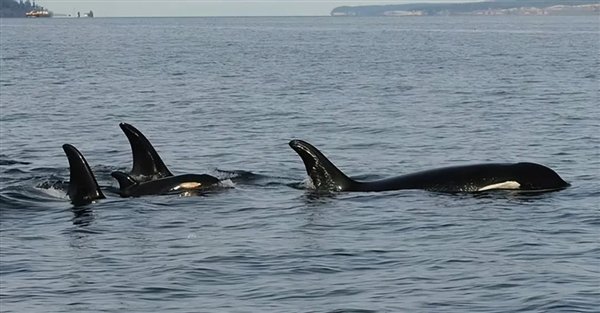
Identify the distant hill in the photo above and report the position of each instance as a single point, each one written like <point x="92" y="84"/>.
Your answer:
<point x="497" y="7"/>
<point x="13" y="8"/>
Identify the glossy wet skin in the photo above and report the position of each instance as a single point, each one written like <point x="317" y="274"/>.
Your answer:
<point x="83" y="187"/>
<point x="469" y="178"/>
<point x="324" y="175"/>
<point x="147" y="164"/>
<point x="167" y="185"/>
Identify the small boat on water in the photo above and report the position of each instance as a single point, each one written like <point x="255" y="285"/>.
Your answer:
<point x="39" y="13"/>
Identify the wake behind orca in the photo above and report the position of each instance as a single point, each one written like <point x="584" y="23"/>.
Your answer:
<point x="470" y="178"/>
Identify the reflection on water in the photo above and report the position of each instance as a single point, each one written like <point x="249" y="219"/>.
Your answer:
<point x="82" y="217"/>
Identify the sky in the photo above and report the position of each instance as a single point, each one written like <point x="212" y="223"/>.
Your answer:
<point x="130" y="8"/>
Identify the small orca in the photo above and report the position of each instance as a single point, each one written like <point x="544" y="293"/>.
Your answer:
<point x="83" y="187"/>
<point x="470" y="178"/>
<point x="150" y="175"/>
<point x="193" y="183"/>
<point x="147" y="164"/>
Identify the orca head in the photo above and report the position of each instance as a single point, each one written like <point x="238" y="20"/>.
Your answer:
<point x="147" y="164"/>
<point x="532" y="176"/>
<point x="324" y="175"/>
<point x="83" y="187"/>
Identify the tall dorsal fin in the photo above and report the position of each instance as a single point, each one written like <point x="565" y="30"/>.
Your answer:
<point x="324" y="175"/>
<point x="147" y="164"/>
<point x="125" y="181"/>
<point x="83" y="187"/>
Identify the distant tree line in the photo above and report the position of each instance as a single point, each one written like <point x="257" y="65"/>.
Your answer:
<point x="449" y="8"/>
<point x="13" y="8"/>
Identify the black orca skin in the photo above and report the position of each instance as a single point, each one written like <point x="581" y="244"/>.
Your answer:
<point x="129" y="187"/>
<point x="147" y="164"/>
<point x="83" y="187"/>
<point x="150" y="175"/>
<point x="469" y="178"/>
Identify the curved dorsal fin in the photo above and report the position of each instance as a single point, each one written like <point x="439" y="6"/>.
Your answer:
<point x="83" y="187"/>
<point x="324" y="175"/>
<point x="125" y="181"/>
<point x="147" y="164"/>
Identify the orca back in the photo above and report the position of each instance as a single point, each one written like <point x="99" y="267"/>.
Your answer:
<point x="467" y="178"/>
<point x="129" y="187"/>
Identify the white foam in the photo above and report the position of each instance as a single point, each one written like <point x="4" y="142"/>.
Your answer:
<point x="308" y="183"/>
<point x="54" y="192"/>
<point x="227" y="183"/>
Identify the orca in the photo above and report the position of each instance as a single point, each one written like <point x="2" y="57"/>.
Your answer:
<point x="83" y="187"/>
<point x="149" y="174"/>
<point x="469" y="178"/>
<point x="186" y="183"/>
<point x="147" y="164"/>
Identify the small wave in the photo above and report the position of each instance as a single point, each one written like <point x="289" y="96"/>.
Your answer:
<point x="352" y="311"/>
<point x="316" y="269"/>
<point x="240" y="177"/>
<point x="8" y="202"/>
<point x="5" y="160"/>
<point x="227" y="183"/>
<point x="28" y="194"/>
<point x="56" y="189"/>
<point x="14" y="171"/>
<point x="298" y="185"/>
<point x="23" y="198"/>
<point x="10" y="58"/>
<point x="308" y="184"/>
<point x="237" y="174"/>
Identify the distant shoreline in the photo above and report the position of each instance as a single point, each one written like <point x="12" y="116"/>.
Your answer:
<point x="484" y="8"/>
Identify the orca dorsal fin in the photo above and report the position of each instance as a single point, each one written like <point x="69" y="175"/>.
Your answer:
<point x="324" y="175"/>
<point x="125" y="180"/>
<point x="83" y="187"/>
<point x="147" y="164"/>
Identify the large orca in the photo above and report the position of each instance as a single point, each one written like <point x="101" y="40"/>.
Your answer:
<point x="470" y="178"/>
<point x="83" y="187"/>
<point x="147" y="164"/>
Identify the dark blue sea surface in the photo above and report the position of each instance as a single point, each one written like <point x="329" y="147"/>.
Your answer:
<point x="379" y="96"/>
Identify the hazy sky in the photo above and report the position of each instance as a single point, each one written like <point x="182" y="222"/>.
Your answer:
<point x="208" y="7"/>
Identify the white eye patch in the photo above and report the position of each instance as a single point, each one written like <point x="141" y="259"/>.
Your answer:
<point x="511" y="184"/>
<point x="188" y="185"/>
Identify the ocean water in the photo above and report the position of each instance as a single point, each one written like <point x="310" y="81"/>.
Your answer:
<point x="379" y="96"/>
